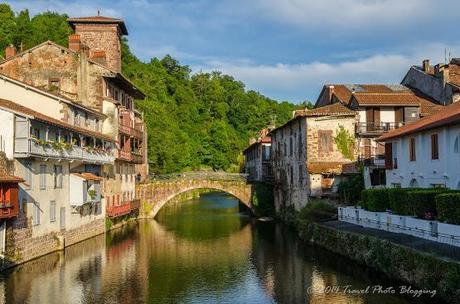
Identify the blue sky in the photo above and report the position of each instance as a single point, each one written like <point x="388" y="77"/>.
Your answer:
<point x="285" y="49"/>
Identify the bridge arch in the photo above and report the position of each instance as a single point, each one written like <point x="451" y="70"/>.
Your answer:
<point x="155" y="194"/>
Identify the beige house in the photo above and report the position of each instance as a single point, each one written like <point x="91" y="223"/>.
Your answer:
<point x="306" y="158"/>
<point x="88" y="73"/>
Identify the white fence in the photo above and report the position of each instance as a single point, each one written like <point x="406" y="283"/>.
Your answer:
<point x="430" y="230"/>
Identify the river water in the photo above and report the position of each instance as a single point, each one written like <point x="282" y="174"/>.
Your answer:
<point x="198" y="251"/>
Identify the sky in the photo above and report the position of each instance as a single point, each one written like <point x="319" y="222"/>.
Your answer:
<point x="284" y="49"/>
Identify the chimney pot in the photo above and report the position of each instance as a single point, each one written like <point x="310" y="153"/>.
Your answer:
<point x="75" y="43"/>
<point x="331" y="92"/>
<point x="426" y="65"/>
<point x="10" y="51"/>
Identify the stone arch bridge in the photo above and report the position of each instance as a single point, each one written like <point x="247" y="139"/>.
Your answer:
<point x="155" y="193"/>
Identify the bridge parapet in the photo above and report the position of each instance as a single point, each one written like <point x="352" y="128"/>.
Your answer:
<point x="155" y="193"/>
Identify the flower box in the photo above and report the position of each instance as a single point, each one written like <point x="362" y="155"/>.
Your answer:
<point x="421" y="228"/>
<point x="449" y="234"/>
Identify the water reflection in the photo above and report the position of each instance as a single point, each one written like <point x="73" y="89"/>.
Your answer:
<point x="197" y="252"/>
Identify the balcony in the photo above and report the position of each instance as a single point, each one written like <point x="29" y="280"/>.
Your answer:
<point x="373" y="128"/>
<point x="123" y="209"/>
<point x="133" y="157"/>
<point x="130" y="131"/>
<point x="9" y="206"/>
<point x="33" y="147"/>
<point x="377" y="161"/>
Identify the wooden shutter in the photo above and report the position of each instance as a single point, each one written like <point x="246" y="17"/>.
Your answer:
<point x="399" y="115"/>
<point x="370" y="119"/>
<point x="412" y="156"/>
<point x="434" y="146"/>
<point x="367" y="148"/>
<point x="377" y="116"/>
<point x="388" y="156"/>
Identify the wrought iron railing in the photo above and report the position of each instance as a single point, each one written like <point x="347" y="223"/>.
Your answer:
<point x="377" y="127"/>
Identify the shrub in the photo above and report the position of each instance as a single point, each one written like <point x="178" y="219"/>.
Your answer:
<point x="350" y="189"/>
<point x="375" y="199"/>
<point x="448" y="207"/>
<point x="399" y="201"/>
<point x="422" y="202"/>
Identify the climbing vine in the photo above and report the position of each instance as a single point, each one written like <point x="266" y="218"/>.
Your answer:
<point x="345" y="142"/>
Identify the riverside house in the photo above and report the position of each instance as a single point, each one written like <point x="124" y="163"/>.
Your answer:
<point x="88" y="73"/>
<point x="380" y="108"/>
<point x="257" y="158"/>
<point x="306" y="158"/>
<point x="425" y="153"/>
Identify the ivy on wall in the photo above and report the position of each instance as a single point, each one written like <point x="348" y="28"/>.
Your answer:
<point x="345" y="143"/>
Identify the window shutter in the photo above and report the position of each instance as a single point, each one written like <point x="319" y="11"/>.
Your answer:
<point x="388" y="156"/>
<point x="434" y="146"/>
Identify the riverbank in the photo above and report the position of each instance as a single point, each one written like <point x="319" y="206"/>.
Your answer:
<point x="419" y="268"/>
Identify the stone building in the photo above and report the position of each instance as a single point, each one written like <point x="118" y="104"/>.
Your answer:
<point x="380" y="108"/>
<point x="88" y="72"/>
<point x="306" y="158"/>
<point x="257" y="158"/>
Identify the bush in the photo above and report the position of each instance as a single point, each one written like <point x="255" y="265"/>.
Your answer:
<point x="423" y="203"/>
<point x="317" y="211"/>
<point x="448" y="207"/>
<point x="350" y="189"/>
<point x="375" y="199"/>
<point x="399" y="201"/>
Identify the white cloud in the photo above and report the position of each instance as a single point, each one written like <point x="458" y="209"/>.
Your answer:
<point x="297" y="82"/>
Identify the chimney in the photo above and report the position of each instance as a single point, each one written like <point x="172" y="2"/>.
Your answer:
<point x="75" y="43"/>
<point x="426" y="65"/>
<point x="330" y="92"/>
<point x="10" y="51"/>
<point x="99" y="56"/>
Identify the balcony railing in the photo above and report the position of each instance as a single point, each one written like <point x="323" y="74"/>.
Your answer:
<point x="73" y="153"/>
<point x="373" y="160"/>
<point x="377" y="128"/>
<point x="133" y="157"/>
<point x="128" y="130"/>
<point x="8" y="209"/>
<point x="123" y="209"/>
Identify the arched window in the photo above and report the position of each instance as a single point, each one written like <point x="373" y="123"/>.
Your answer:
<point x="413" y="183"/>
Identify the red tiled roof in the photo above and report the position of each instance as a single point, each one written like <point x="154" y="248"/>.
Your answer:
<point x="264" y="140"/>
<point x="332" y="109"/>
<point x="10" y="179"/>
<point x="427" y="105"/>
<point x="99" y="19"/>
<point x="9" y="105"/>
<point x="343" y="92"/>
<point x="448" y="115"/>
<point x="88" y="176"/>
<point x="325" y="167"/>
<point x="387" y="99"/>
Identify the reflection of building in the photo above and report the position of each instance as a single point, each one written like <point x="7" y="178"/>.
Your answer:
<point x="257" y="159"/>
<point x="306" y="158"/>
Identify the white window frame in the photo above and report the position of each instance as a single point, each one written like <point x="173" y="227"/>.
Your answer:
<point x="52" y="211"/>
<point x="58" y="177"/>
<point x="43" y="177"/>
<point x="36" y="217"/>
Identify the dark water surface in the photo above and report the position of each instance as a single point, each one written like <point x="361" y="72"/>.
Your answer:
<point x="201" y="251"/>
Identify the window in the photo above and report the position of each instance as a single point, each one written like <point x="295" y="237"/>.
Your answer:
<point x="28" y="174"/>
<point x="42" y="177"/>
<point x="412" y="149"/>
<point x="457" y="144"/>
<point x="36" y="216"/>
<point x="57" y="176"/>
<point x="52" y="211"/>
<point x="36" y="132"/>
<point x="413" y="183"/>
<point x="325" y="141"/>
<point x="434" y="146"/>
<point x="54" y="84"/>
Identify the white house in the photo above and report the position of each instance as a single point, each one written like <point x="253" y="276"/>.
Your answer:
<point x="425" y="153"/>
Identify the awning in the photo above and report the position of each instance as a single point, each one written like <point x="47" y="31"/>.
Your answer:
<point x="88" y="176"/>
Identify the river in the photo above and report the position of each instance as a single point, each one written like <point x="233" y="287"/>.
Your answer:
<point x="198" y="251"/>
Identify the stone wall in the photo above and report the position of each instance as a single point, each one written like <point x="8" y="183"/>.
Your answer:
<point x="154" y="195"/>
<point x="84" y="232"/>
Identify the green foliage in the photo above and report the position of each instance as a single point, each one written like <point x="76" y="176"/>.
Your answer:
<point x="448" y="208"/>
<point x="350" y="189"/>
<point x="194" y="121"/>
<point x="399" y="201"/>
<point x="375" y="199"/>
<point x="345" y="143"/>
<point x="423" y="203"/>
<point x="263" y="200"/>
<point x="316" y="210"/>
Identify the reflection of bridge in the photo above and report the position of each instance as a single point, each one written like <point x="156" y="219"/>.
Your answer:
<point x="155" y="193"/>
